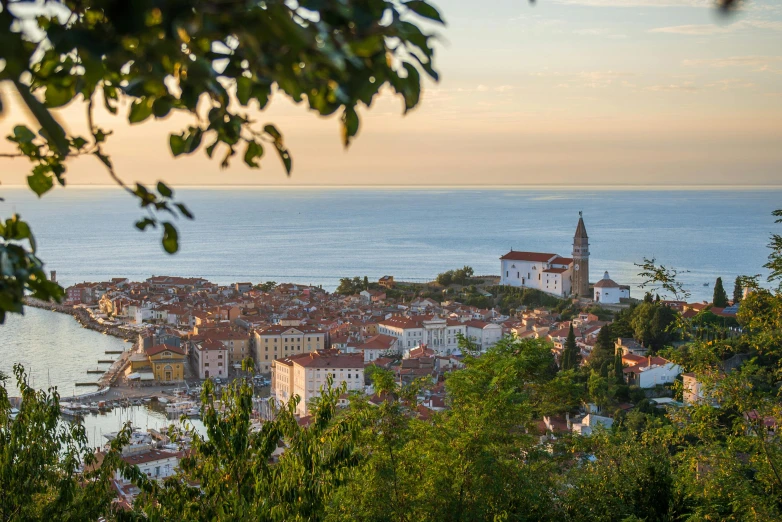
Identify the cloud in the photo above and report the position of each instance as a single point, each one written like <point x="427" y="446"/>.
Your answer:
<point x="754" y="61"/>
<point x="711" y="29"/>
<point x="687" y="87"/>
<point x="607" y="33"/>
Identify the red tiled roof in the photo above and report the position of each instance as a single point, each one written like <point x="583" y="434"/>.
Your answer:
<point x="154" y="350"/>
<point x="529" y="256"/>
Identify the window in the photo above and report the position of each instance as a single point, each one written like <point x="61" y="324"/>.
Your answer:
<point x="518" y="275"/>
<point x="506" y="274"/>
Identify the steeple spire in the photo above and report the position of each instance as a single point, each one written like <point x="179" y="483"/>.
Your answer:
<point x="580" y="281"/>
<point x="581" y="231"/>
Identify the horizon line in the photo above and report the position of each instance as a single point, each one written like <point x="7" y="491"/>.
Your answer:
<point x="534" y="186"/>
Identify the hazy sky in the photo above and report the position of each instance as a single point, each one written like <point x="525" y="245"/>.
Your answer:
<point x="560" y="92"/>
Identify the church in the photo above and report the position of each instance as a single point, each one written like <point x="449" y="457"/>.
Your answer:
<point x="551" y="273"/>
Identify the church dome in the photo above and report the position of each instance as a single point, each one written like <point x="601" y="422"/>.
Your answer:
<point x="606" y="282"/>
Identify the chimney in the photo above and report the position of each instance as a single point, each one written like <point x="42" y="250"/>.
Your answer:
<point x="53" y="276"/>
<point x="567" y="420"/>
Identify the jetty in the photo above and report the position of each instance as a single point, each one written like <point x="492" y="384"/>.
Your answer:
<point x="101" y="372"/>
<point x="114" y="352"/>
<point x="106" y="361"/>
<point x="86" y="384"/>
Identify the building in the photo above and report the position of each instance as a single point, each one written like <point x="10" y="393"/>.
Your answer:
<point x="609" y="291"/>
<point x="237" y="343"/>
<point x="209" y="358"/>
<point x="651" y="372"/>
<point x="277" y="341"/>
<point x="378" y="346"/>
<point x="550" y="273"/>
<point x="386" y="282"/>
<point x="484" y="335"/>
<point x="437" y="333"/>
<point x="167" y="363"/>
<point x="304" y="375"/>
<point x="626" y="345"/>
<point x="581" y="260"/>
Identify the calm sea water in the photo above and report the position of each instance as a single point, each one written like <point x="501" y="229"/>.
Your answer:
<point x="311" y="235"/>
<point x="316" y="236"/>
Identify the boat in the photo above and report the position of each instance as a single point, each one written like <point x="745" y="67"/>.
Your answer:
<point x="706" y="284"/>
<point x="163" y="400"/>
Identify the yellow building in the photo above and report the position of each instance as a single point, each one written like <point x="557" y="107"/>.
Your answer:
<point x="276" y="341"/>
<point x="167" y="362"/>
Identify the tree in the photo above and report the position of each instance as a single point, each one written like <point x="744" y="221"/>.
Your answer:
<point x="40" y="458"/>
<point x="720" y="299"/>
<point x="366" y="283"/>
<point x="604" y="349"/>
<point x="214" y="61"/>
<point x="738" y="291"/>
<point x="571" y="356"/>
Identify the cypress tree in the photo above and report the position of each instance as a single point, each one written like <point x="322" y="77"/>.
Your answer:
<point x="570" y="355"/>
<point x="738" y="291"/>
<point x="720" y="299"/>
<point x="604" y="348"/>
<point x="620" y="378"/>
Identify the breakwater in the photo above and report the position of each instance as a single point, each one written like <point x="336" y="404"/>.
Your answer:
<point x="82" y="315"/>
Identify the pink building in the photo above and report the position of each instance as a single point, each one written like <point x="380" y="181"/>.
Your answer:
<point x="210" y="359"/>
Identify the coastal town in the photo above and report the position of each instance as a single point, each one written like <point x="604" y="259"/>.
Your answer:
<point x="298" y="338"/>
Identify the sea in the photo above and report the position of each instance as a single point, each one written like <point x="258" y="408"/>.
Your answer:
<point x="317" y="235"/>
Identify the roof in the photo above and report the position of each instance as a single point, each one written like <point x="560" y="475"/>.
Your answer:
<point x="325" y="359"/>
<point x="378" y="342"/>
<point x="606" y="282"/>
<point x="529" y="256"/>
<point x="154" y="350"/>
<point x="148" y="456"/>
<point x="555" y="270"/>
<point x="581" y="231"/>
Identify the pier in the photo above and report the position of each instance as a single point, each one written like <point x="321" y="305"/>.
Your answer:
<point x="86" y="384"/>
<point x="101" y="372"/>
<point x="114" y="352"/>
<point x="106" y="361"/>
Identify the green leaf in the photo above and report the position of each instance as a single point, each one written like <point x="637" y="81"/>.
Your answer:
<point x="272" y="131"/>
<point x="421" y="8"/>
<point x="244" y="88"/>
<point x="144" y="223"/>
<point x="40" y="181"/>
<point x="58" y="95"/>
<point x="254" y="150"/>
<point x="177" y="144"/>
<point x="23" y="135"/>
<point x="170" y="238"/>
<point x="141" y="109"/>
<point x="286" y="158"/>
<point x="349" y="124"/>
<point x="56" y="134"/>
<point x="78" y="143"/>
<point x="193" y="140"/>
<point x="184" y="210"/>
<point x="163" y="190"/>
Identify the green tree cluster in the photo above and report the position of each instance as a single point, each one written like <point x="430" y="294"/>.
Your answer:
<point x="460" y="276"/>
<point x="720" y="297"/>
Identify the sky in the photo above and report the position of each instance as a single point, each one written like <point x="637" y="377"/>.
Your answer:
<point x="559" y="93"/>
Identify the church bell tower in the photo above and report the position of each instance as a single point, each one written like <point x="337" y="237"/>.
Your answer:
<point x="580" y="285"/>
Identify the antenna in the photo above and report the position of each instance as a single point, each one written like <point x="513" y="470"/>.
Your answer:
<point x="580" y="213"/>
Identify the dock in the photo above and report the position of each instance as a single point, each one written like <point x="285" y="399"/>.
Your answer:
<point x="101" y="372"/>
<point x="86" y="384"/>
<point x="106" y="361"/>
<point x="114" y="352"/>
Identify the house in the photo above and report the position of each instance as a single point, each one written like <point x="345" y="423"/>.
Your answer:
<point x="377" y="346"/>
<point x="627" y="345"/>
<point x="167" y="363"/>
<point x="209" y="359"/>
<point x="608" y="291"/>
<point x="386" y="282"/>
<point x="305" y="374"/>
<point x="277" y="341"/>
<point x="484" y="335"/>
<point x="651" y="372"/>
<point x="590" y="422"/>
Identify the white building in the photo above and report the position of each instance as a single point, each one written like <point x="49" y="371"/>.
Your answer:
<point x="155" y="464"/>
<point x="210" y="359"/>
<point x="652" y="371"/>
<point x="441" y="335"/>
<point x="484" y="335"/>
<point x="610" y="292"/>
<point x="305" y="374"/>
<point x="548" y="273"/>
<point x="377" y="346"/>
